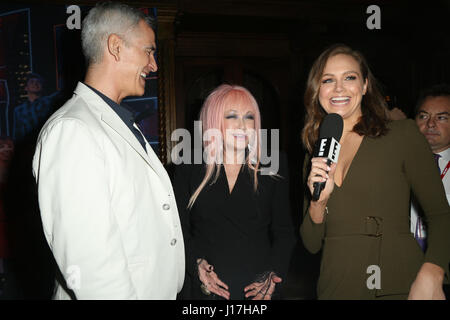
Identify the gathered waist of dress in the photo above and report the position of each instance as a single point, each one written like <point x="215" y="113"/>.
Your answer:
<point x="371" y="226"/>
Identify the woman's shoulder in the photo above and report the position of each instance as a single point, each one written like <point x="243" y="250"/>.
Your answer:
<point x="401" y="126"/>
<point x="401" y="129"/>
<point x="403" y="136"/>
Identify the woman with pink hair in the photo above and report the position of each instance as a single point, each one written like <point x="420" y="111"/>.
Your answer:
<point x="236" y="220"/>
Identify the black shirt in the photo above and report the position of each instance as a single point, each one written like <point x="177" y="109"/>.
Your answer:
<point x="125" y="113"/>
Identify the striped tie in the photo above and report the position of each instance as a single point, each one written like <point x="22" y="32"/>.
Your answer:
<point x="436" y="158"/>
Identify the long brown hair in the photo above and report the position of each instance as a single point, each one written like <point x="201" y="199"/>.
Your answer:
<point x="373" y="106"/>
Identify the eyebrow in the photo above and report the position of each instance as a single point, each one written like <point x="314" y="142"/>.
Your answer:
<point x="439" y="113"/>
<point x="233" y="110"/>
<point x="346" y="72"/>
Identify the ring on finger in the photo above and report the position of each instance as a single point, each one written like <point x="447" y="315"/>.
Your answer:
<point x="205" y="290"/>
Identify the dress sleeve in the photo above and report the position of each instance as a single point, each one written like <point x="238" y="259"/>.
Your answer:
<point x="311" y="233"/>
<point x="183" y="193"/>
<point x="282" y="227"/>
<point x="427" y="186"/>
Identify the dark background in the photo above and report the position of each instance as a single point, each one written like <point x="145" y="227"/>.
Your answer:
<point x="269" y="46"/>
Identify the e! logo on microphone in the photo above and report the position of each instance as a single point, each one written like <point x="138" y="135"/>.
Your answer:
<point x="329" y="148"/>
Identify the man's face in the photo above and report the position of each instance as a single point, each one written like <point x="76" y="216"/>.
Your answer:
<point x="6" y="150"/>
<point x="137" y="60"/>
<point x="433" y="121"/>
<point x="34" y="85"/>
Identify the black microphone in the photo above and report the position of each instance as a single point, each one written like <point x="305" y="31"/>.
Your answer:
<point x="328" y="145"/>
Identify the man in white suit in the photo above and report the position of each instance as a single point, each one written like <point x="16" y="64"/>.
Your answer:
<point x="107" y="204"/>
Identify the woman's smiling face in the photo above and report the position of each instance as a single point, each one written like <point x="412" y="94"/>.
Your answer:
<point x="239" y="126"/>
<point x="342" y="87"/>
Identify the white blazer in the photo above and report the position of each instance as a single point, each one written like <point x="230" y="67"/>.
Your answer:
<point x="108" y="208"/>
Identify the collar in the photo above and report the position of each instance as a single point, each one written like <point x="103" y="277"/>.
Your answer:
<point x="445" y="154"/>
<point x="123" y="111"/>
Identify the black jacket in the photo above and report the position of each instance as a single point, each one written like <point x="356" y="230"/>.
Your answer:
<point x="243" y="233"/>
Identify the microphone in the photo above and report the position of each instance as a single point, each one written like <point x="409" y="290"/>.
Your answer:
<point x="328" y="145"/>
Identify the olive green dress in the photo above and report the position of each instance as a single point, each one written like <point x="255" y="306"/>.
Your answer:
<point x="368" y="219"/>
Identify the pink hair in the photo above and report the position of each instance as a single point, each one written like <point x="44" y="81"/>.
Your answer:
<point x="212" y="117"/>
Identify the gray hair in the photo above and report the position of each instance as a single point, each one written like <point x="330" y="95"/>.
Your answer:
<point x="104" y="19"/>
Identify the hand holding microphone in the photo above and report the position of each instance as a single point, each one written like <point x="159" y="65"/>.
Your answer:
<point x="326" y="154"/>
<point x="321" y="179"/>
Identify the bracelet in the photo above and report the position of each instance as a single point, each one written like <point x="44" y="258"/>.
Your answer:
<point x="326" y="210"/>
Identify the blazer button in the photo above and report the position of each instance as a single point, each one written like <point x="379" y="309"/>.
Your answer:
<point x="173" y="242"/>
<point x="166" y="206"/>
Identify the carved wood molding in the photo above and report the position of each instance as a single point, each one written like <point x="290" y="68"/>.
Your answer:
<point x="166" y="79"/>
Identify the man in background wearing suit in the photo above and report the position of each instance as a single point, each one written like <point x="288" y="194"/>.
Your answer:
<point x="432" y="118"/>
<point x="107" y="204"/>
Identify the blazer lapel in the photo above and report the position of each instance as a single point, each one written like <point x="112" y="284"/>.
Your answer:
<point x="110" y="118"/>
<point x="157" y="165"/>
<point x="115" y="123"/>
